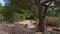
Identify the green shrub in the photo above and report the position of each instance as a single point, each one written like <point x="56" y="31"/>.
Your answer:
<point x="1" y="18"/>
<point x="53" y="21"/>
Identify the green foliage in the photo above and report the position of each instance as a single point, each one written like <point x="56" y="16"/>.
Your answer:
<point x="53" y="17"/>
<point x="24" y="9"/>
<point x="57" y="3"/>
<point x="15" y="14"/>
<point x="1" y="16"/>
<point x="53" y="21"/>
<point x="8" y="13"/>
<point x="23" y="4"/>
<point x="54" y="13"/>
<point x="22" y="16"/>
<point x="1" y="7"/>
<point x="18" y="10"/>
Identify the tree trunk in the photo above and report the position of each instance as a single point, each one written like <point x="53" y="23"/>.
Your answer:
<point x="41" y="15"/>
<point x="45" y="12"/>
<point x="41" y="20"/>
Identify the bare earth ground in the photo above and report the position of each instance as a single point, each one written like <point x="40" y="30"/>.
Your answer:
<point x="10" y="28"/>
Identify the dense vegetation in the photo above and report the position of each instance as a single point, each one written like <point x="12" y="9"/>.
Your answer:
<point x="18" y="10"/>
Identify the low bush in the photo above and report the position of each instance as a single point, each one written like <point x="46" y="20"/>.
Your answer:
<point x="53" y="21"/>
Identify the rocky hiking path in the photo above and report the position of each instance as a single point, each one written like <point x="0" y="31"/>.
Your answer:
<point x="21" y="28"/>
<point x="14" y="28"/>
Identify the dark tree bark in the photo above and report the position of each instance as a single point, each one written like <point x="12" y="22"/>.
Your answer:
<point x="42" y="11"/>
<point x="45" y="11"/>
<point x="41" y="15"/>
<point x="41" y="19"/>
<point x="40" y="25"/>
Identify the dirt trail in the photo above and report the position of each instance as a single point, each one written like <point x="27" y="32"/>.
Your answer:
<point x="9" y="28"/>
<point x="6" y="28"/>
